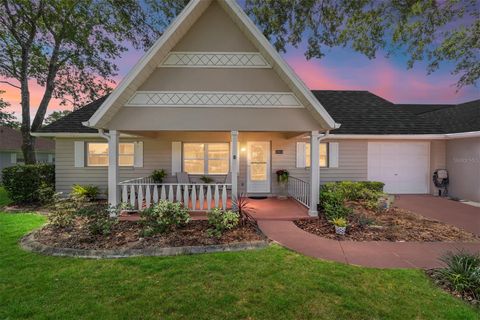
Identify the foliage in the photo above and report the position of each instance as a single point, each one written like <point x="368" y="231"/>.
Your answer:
<point x="366" y="191"/>
<point x="208" y="286"/>
<point x="206" y="179"/>
<point x="333" y="203"/>
<point x="158" y="175"/>
<point x="7" y="119"/>
<point x="462" y="273"/>
<point x="163" y="217"/>
<point x="339" y="222"/>
<point x="69" y="48"/>
<point x="55" y="115"/>
<point x="434" y="31"/>
<point x="28" y="183"/>
<point x="62" y="214"/>
<point x="241" y="205"/>
<point x="46" y="193"/>
<point x="87" y="192"/>
<point x="98" y="218"/>
<point x="282" y="175"/>
<point x="221" y="221"/>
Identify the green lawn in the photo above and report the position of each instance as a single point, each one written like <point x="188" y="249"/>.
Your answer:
<point x="265" y="284"/>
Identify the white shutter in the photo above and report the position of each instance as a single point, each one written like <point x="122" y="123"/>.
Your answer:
<point x="50" y="158"/>
<point x="138" y="155"/>
<point x="176" y="157"/>
<point x="333" y="154"/>
<point x="238" y="156"/>
<point x="79" y="148"/>
<point x="13" y="158"/>
<point x="301" y="154"/>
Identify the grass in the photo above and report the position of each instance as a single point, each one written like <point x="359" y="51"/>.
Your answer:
<point x="264" y="284"/>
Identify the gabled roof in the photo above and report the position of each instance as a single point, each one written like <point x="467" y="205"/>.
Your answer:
<point x="464" y="117"/>
<point x="175" y="32"/>
<point x="423" y="108"/>
<point x="11" y="140"/>
<point x="72" y="122"/>
<point x="362" y="112"/>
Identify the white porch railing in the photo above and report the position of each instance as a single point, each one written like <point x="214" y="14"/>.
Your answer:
<point x="299" y="190"/>
<point x="141" y="193"/>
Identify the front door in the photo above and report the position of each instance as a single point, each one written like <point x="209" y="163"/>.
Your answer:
<point x="258" y="167"/>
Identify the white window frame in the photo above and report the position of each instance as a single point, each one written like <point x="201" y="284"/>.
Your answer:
<point x="106" y="165"/>
<point x="327" y="164"/>
<point x="205" y="158"/>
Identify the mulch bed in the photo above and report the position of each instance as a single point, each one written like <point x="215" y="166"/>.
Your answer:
<point x="126" y="235"/>
<point x="437" y="279"/>
<point x="393" y="224"/>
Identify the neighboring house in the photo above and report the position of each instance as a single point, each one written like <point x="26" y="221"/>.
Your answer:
<point x="11" y="148"/>
<point x="212" y="97"/>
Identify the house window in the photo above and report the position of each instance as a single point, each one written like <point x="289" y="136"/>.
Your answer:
<point x="206" y="158"/>
<point x="323" y="155"/>
<point x="97" y="154"/>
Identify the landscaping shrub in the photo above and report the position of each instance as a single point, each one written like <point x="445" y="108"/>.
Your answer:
<point x="462" y="273"/>
<point x="62" y="213"/>
<point x="86" y="192"/>
<point x="31" y="183"/>
<point x="163" y="217"/>
<point x="332" y="202"/>
<point x="221" y="221"/>
<point x="98" y="219"/>
<point x="375" y="186"/>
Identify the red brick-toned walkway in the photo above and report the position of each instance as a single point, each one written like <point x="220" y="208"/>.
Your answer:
<point x="380" y="254"/>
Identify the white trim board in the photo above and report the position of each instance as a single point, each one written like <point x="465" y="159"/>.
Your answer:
<point x="213" y="99"/>
<point x="180" y="59"/>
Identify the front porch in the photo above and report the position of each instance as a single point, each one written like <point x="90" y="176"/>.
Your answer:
<point x="236" y="163"/>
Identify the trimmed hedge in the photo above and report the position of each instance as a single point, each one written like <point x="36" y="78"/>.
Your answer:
<point x="29" y="183"/>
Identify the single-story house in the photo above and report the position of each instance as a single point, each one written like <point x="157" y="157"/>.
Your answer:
<point x="212" y="97"/>
<point x="11" y="148"/>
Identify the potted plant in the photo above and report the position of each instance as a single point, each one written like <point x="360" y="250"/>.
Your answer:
<point x="158" y="175"/>
<point x="282" y="179"/>
<point x="206" y="179"/>
<point x="340" y="225"/>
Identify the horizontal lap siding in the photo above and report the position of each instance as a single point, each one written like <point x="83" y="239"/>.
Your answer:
<point x="157" y="154"/>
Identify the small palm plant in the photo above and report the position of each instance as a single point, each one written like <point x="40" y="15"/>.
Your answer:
<point x="340" y="224"/>
<point x="242" y="206"/>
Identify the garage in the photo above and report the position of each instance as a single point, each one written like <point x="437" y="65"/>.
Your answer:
<point x="402" y="166"/>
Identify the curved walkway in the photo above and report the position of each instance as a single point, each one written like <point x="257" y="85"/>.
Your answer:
<point x="380" y="254"/>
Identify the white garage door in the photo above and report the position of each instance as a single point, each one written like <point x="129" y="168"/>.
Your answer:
<point x="402" y="166"/>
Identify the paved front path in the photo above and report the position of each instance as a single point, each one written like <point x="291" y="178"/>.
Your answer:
<point x="380" y="254"/>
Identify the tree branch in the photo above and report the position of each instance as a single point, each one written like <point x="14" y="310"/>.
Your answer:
<point x="10" y="84"/>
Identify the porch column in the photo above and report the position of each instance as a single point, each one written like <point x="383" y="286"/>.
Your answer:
<point x="314" y="172"/>
<point x="113" y="190"/>
<point x="234" y="163"/>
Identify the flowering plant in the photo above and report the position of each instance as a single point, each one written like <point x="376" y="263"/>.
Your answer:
<point x="282" y="175"/>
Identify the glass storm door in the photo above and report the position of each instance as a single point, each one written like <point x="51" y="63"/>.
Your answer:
<point x="258" y="167"/>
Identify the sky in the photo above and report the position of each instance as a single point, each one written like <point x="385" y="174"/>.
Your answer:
<point x="340" y="69"/>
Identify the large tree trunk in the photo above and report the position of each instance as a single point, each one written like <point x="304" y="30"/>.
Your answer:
<point x="28" y="142"/>
<point x="28" y="147"/>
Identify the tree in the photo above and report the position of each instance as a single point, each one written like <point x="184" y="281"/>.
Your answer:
<point x="69" y="48"/>
<point x="55" y="115"/>
<point x="429" y="30"/>
<point x="7" y="119"/>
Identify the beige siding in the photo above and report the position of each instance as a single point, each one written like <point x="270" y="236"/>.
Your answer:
<point x="214" y="79"/>
<point x="463" y="164"/>
<point x="215" y="119"/>
<point x="214" y="31"/>
<point x="157" y="154"/>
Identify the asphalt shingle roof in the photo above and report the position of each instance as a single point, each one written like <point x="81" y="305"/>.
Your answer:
<point x="362" y="112"/>
<point x="11" y="139"/>
<point x="73" y="121"/>
<point x="359" y="112"/>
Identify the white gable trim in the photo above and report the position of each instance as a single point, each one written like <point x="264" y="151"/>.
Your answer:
<point x="171" y="36"/>
<point x="177" y="59"/>
<point x="219" y="99"/>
